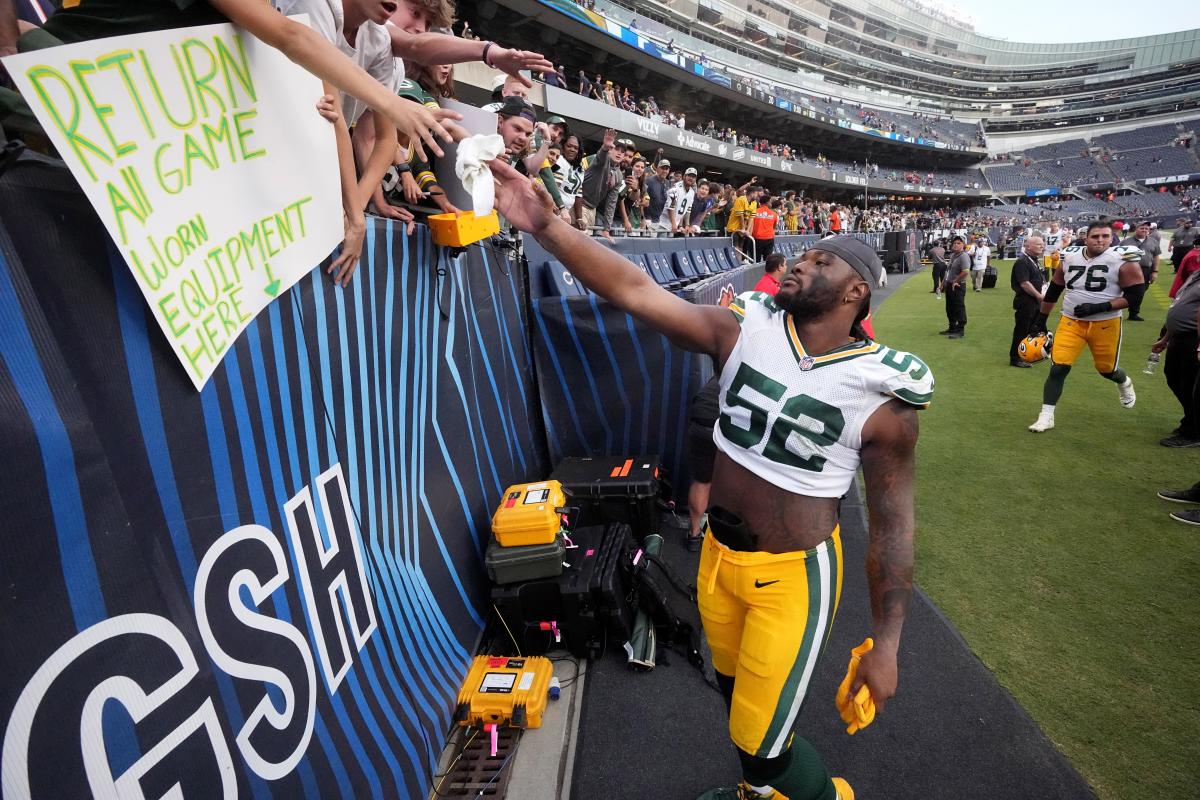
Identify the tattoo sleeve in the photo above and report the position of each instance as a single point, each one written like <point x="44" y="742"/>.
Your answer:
<point x="888" y="465"/>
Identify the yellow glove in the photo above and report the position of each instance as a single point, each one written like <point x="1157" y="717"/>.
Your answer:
<point x="857" y="712"/>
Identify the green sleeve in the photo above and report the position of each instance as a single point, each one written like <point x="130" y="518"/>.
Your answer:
<point x="547" y="176"/>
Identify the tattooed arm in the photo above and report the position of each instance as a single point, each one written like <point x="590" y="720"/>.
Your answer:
<point x="889" y="440"/>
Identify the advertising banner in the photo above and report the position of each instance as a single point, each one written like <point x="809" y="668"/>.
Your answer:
<point x="270" y="588"/>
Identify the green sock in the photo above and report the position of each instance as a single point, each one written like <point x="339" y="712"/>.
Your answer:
<point x="799" y="773"/>
<point x="1053" y="388"/>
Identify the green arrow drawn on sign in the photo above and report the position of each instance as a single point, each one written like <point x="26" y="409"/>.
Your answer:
<point x="271" y="288"/>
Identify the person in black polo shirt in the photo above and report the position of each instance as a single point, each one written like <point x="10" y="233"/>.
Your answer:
<point x="1027" y="281"/>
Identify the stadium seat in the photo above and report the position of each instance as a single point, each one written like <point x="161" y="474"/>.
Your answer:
<point x="562" y="283"/>
<point x="660" y="269"/>
<point x="684" y="268"/>
<point x="729" y="257"/>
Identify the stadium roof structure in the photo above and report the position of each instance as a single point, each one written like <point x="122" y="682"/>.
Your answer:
<point x="899" y="56"/>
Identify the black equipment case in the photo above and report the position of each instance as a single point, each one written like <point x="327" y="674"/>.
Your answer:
<point x="990" y="275"/>
<point x="585" y="608"/>
<point x="615" y="489"/>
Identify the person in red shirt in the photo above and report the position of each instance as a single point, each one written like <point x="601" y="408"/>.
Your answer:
<point x="762" y="228"/>
<point x="835" y="220"/>
<point x="1189" y="264"/>
<point x="769" y="282"/>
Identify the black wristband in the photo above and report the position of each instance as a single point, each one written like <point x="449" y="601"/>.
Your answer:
<point x="402" y="168"/>
<point x="486" y="48"/>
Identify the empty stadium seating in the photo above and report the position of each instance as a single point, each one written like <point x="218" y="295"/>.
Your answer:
<point x="1154" y="162"/>
<point x="1149" y="136"/>
<point x="1048" y="152"/>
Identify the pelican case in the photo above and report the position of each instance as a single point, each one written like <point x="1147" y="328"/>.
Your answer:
<point x="629" y="489"/>
<point x="524" y="563"/>
<point x="499" y="690"/>
<point x="990" y="275"/>
<point x="584" y="609"/>
<point x="529" y="514"/>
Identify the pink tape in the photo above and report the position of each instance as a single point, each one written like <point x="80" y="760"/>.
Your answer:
<point x="637" y="557"/>
<point x="495" y="739"/>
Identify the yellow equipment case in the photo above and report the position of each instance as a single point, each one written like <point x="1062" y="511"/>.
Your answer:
<point x="530" y="513"/>
<point x="500" y="690"/>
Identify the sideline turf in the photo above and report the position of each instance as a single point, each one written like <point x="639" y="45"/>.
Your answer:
<point x="1050" y="552"/>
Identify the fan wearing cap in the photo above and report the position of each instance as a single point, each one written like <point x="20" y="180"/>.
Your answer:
<point x="805" y="400"/>
<point x="679" y="202"/>
<point x="515" y="121"/>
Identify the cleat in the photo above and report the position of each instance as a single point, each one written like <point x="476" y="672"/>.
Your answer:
<point x="1045" y="422"/>
<point x="844" y="792"/>
<point x="1191" y="495"/>
<point x="1126" y="393"/>
<point x="1190" y="516"/>
<point x="740" y="792"/>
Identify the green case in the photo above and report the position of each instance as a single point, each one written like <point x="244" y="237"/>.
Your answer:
<point x="524" y="563"/>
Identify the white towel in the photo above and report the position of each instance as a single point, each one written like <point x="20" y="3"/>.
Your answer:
<point x="472" y="169"/>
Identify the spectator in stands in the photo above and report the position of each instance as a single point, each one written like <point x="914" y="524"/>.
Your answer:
<point x="657" y="188"/>
<point x="411" y="178"/>
<point x="570" y="177"/>
<point x="1151" y="249"/>
<point x="955" y="287"/>
<point x="1027" y="281"/>
<point x="679" y="202"/>
<point x="762" y="228"/>
<point x="632" y="200"/>
<point x="1187" y="267"/>
<point x="1180" y="366"/>
<point x="701" y="207"/>
<point x="602" y="180"/>
<point x="718" y="215"/>
<point x="835" y="220"/>
<point x="1181" y="243"/>
<point x="506" y="86"/>
<point x="772" y="272"/>
<point x="583" y="85"/>
<point x="742" y="212"/>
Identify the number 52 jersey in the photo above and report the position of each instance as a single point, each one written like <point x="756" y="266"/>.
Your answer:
<point x="795" y="419"/>
<point x="1094" y="280"/>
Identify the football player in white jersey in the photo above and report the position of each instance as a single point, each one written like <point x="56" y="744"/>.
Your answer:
<point x="1056" y="240"/>
<point x="805" y="399"/>
<point x="1099" y="281"/>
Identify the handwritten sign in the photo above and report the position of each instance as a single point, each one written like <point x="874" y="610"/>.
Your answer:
<point x="203" y="153"/>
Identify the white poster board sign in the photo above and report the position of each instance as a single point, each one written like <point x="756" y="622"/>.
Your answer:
<point x="202" y="151"/>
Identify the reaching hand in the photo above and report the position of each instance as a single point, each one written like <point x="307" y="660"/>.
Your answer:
<point x="412" y="192"/>
<point x="342" y="268"/>
<point x="512" y="61"/>
<point x="420" y="125"/>
<point x="524" y="203"/>
<point x="610" y="136"/>
<point x="327" y="108"/>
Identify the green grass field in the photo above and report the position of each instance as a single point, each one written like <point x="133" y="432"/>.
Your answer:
<point x="1050" y="552"/>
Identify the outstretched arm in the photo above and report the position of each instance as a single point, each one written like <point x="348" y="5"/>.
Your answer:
<point x="888" y="459"/>
<point x="528" y="207"/>
<point x="305" y="46"/>
<point x="441" y="48"/>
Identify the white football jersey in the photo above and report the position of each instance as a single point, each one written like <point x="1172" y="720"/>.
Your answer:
<point x="796" y="419"/>
<point x="1054" y="241"/>
<point x="1094" y="280"/>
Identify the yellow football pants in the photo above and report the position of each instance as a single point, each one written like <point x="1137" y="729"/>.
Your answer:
<point x="1102" y="337"/>
<point x="767" y="617"/>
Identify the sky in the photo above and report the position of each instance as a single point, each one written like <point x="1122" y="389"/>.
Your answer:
<point x="1042" y="21"/>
